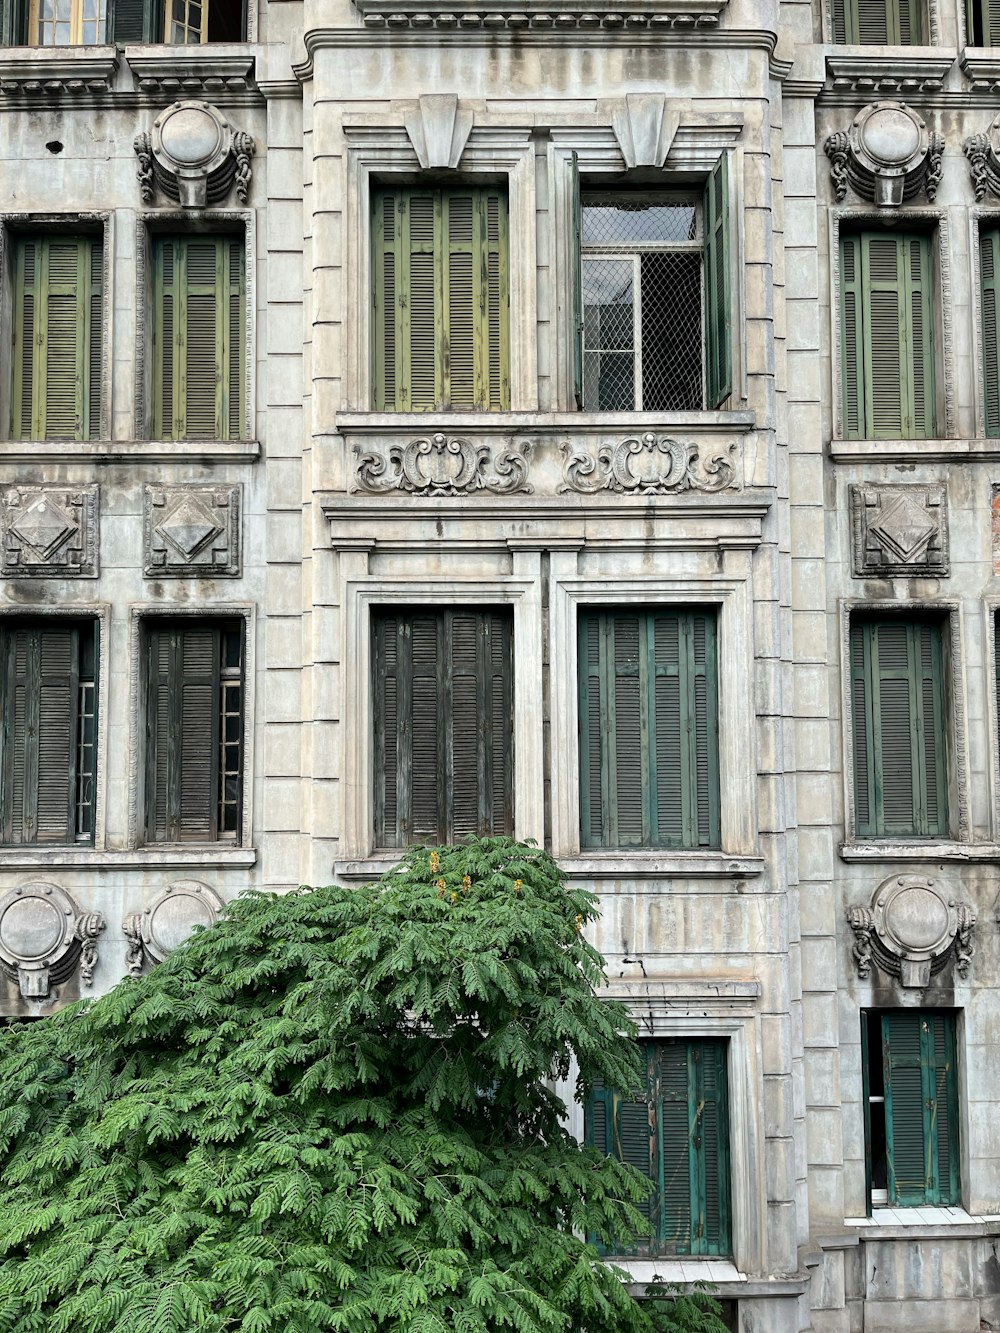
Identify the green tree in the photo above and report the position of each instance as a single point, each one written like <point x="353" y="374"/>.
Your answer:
<point x="329" y="1111"/>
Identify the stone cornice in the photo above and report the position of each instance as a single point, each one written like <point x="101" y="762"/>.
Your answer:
<point x="981" y="66"/>
<point x="27" y="71"/>
<point x="883" y="76"/>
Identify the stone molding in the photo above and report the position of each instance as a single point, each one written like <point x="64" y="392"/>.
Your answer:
<point x="49" y="531"/>
<point x="168" y="921"/>
<point x="191" y="531"/>
<point x="29" y="74"/>
<point x="899" y="530"/>
<point x="886" y="156"/>
<point x="911" y="929"/>
<point x="983" y="152"/>
<point x="193" y="156"/>
<point x="165" y="71"/>
<point x="44" y="937"/>
<point x="658" y="15"/>
<point x="900" y="75"/>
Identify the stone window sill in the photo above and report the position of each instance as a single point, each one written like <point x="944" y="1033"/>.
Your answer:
<point x="909" y="69"/>
<point x="36" y="71"/>
<point x="981" y="66"/>
<point x="660" y="865"/>
<point x="880" y="850"/>
<point x="45" y="858"/>
<point x="129" y="451"/>
<point x="426" y="423"/>
<point x="723" y="1277"/>
<point x="913" y="451"/>
<point x="923" y="1223"/>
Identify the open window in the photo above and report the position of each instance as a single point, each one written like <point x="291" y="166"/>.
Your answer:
<point x="653" y="297"/>
<point x="95" y="22"/>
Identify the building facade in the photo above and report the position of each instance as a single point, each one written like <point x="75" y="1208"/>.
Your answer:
<point x="419" y="420"/>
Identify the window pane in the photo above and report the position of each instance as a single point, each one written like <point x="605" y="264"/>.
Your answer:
<point x="608" y="335"/>
<point x="671" y="332"/>
<point x="618" y="222"/>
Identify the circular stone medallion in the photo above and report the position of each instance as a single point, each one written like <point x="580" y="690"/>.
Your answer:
<point x="30" y="928"/>
<point x="185" y="904"/>
<point x="917" y="917"/>
<point x="190" y="135"/>
<point x="890" y="136"/>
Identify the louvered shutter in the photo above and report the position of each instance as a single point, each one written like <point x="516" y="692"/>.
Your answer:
<point x="13" y="22"/>
<point x="710" y="1143"/>
<point x="594" y="729"/>
<point x="675" y="1096"/>
<point x="885" y="335"/>
<point x="878" y="22"/>
<point x="182" y="769"/>
<point x="199" y="338"/>
<point x="983" y="22"/>
<point x="718" y="286"/>
<point x="862" y="724"/>
<point x="132" y="21"/>
<point x="57" y="332"/>
<point x="989" y="272"/>
<point x="41" y="684"/>
<point x="852" y="367"/>
<point x="920" y="1105"/>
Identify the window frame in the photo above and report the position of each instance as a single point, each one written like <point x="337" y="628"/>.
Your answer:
<point x="931" y="26"/>
<point x="172" y="222"/>
<point x="856" y="846"/>
<point x="22" y="27"/>
<point x="12" y="227"/>
<point x="215" y="612"/>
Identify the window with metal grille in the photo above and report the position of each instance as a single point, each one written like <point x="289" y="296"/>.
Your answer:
<point x="92" y="22"/>
<point x="48" y="759"/>
<point x="440" y="299"/>
<point x="57" y="331"/>
<point x="653" y="298"/>
<point x="911" y="1107"/>
<point x="878" y="22"/>
<point x="649" y="733"/>
<point x="194" y="730"/>
<point x="444" y="705"/>
<point x="887" y="335"/>
<point x="199" y="337"/>
<point x="899" y="727"/>
<point x="674" y="1130"/>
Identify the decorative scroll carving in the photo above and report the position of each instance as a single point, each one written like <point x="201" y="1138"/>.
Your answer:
<point x="650" y="464"/>
<point x="444" y="465"/>
<point x="193" y="155"/>
<point x="983" y="152"/>
<point x="144" y="171"/>
<point x="911" y="930"/>
<point x="862" y="923"/>
<point x="244" y="148"/>
<point x="886" y="156"/>
<point x="439" y="130"/>
<point x="964" y="945"/>
<point x="49" y="531"/>
<point x="899" y="530"/>
<point x="44" y="937"/>
<point x="191" y="530"/>
<point x="168" y="921"/>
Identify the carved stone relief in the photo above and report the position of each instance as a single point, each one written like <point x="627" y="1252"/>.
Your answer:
<point x="645" y="129"/>
<point x="193" y="155"/>
<point x="912" y="928"/>
<point x="983" y="152"/>
<point x="49" y="531"/>
<point x="899" y="530"/>
<point x="444" y="465"/>
<point x="44" y="937"/>
<point x="191" y="531"/>
<point x="651" y="465"/>
<point x="168" y="921"/>
<point x="886" y="156"/>
<point x="439" y="129"/>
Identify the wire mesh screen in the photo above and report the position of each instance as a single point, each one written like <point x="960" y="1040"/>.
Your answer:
<point x="642" y="307"/>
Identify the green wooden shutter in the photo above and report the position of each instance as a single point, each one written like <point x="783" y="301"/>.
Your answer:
<point x="440" y="299"/>
<point x="989" y="275"/>
<point x="576" y="277"/>
<point x="878" y="22"/>
<point x="918" y="1049"/>
<point x="852" y="326"/>
<point x="182" y="734"/>
<point x="983" y="22"/>
<point x="649" y="766"/>
<point x="199" y="338"/>
<point x="133" y="21"/>
<point x="41" y="691"/>
<point x="57" y="332"/>
<point x="718" y="286"/>
<point x="899" y="733"/>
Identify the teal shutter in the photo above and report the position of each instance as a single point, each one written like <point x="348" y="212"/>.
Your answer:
<point x="989" y="275"/>
<point x="918" y="1049"/>
<point x="576" y="276"/>
<point x="199" y="338"/>
<point x="649" y="745"/>
<point x="900" y="767"/>
<point x="57" y="331"/>
<point x="443" y="696"/>
<point x="40" y="781"/>
<point x="718" y="286"/>
<point x="440" y="296"/>
<point x="183" y="752"/>
<point x="878" y="22"/>
<point x="887" y="336"/>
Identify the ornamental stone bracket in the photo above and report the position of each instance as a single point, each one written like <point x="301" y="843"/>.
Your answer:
<point x="161" y="72"/>
<point x="191" y="531"/>
<point x="168" y="921"/>
<point x="983" y="152"/>
<point x="45" y="938"/>
<point x="905" y="73"/>
<point x="439" y="129"/>
<point x="441" y="464"/>
<point x="651" y="464"/>
<point x="912" y="928"/>
<point x="49" y="531"/>
<point x="192" y="155"/>
<point x="887" y="156"/>
<point x="899" y="530"/>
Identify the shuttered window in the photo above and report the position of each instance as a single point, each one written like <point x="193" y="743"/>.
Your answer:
<point x="440" y="299"/>
<point x="194" y="731"/>
<point x="878" y="22"/>
<point x="898" y="719"/>
<point x="86" y="22"/>
<point x="48" y="693"/>
<point x="983" y="22"/>
<point x="989" y="275"/>
<point x="57" y="331"/>
<point x="649" y="738"/>
<point x="443" y="725"/>
<point x="912" y="1103"/>
<point x="887" y="336"/>
<point x="199" y="337"/>
<point x="675" y="1132"/>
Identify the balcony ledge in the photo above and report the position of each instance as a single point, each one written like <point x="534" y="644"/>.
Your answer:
<point x="140" y="858"/>
<point x="42" y="73"/>
<point x="901" y="850"/>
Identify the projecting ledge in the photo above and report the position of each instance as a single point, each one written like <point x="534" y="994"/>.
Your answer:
<point x="914" y="451"/>
<point x="920" y="851"/>
<point x="693" y="865"/>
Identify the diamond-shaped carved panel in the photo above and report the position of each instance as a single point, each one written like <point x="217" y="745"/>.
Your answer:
<point x="899" y="530"/>
<point x="191" y="531"/>
<point x="49" y="531"/>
